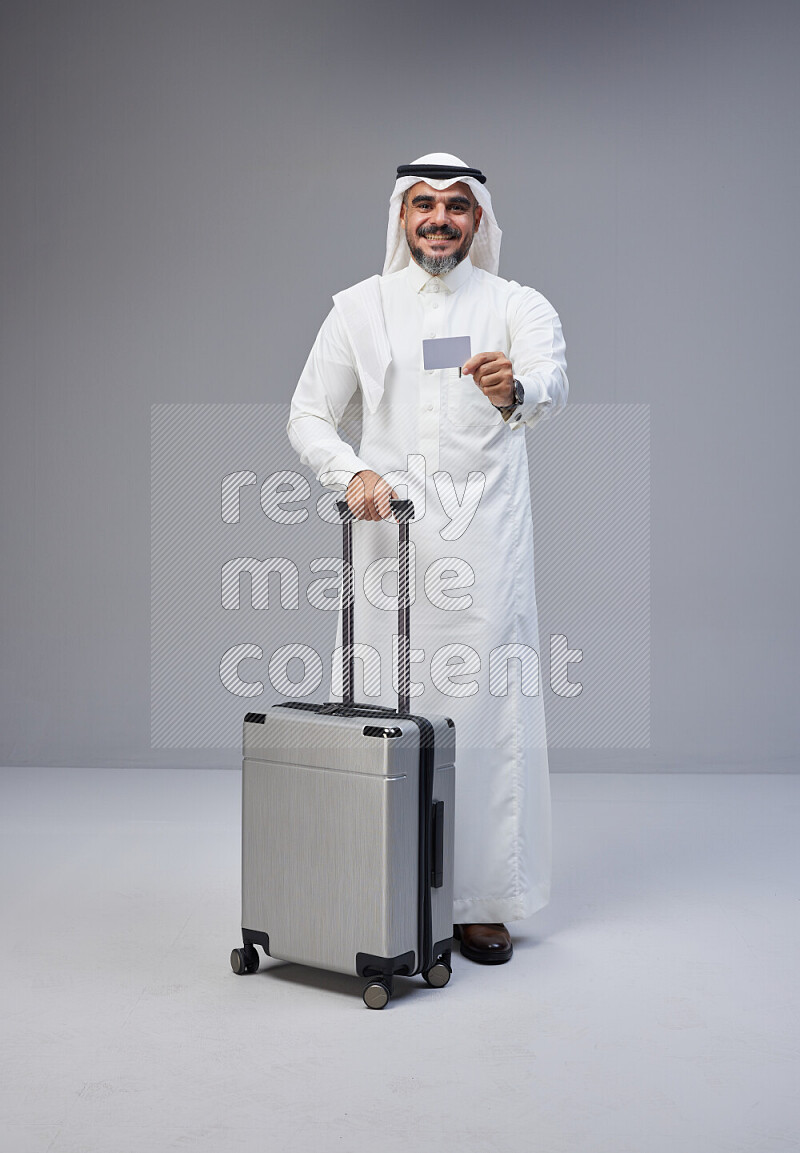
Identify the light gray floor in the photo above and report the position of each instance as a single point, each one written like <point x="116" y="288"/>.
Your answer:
<point x="652" y="1008"/>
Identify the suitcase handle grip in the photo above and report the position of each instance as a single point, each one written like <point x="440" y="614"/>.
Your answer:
<point x="403" y="511"/>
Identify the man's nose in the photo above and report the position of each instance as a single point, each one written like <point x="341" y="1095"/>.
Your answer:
<point x="440" y="214"/>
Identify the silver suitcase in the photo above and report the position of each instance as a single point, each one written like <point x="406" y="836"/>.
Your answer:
<point x="347" y="825"/>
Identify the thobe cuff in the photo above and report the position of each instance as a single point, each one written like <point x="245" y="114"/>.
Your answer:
<point x="537" y="401"/>
<point x="341" y="470"/>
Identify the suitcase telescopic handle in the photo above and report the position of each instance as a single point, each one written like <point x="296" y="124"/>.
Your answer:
<point x="403" y="511"/>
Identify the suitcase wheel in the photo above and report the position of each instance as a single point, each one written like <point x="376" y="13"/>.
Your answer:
<point x="376" y="995"/>
<point x="438" y="975"/>
<point x="244" y="960"/>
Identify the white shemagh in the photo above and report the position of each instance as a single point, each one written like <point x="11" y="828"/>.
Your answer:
<point x="360" y="307"/>
<point x="485" y="250"/>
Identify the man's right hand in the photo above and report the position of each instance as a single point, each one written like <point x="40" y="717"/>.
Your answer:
<point x="368" y="496"/>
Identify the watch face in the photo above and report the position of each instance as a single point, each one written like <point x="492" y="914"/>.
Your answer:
<point x="519" y="393"/>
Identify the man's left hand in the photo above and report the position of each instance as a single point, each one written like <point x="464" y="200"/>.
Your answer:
<point x="494" y="376"/>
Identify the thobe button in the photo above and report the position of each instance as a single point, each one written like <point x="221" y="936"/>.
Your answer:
<point x="429" y="407"/>
<point x="435" y="304"/>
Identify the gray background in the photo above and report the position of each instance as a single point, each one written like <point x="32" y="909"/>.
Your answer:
<point x="186" y="183"/>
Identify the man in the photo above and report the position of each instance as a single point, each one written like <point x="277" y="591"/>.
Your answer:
<point x="453" y="438"/>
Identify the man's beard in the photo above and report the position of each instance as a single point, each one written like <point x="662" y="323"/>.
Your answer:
<point x="439" y="265"/>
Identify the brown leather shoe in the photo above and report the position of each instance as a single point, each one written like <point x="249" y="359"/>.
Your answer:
<point x="486" y="944"/>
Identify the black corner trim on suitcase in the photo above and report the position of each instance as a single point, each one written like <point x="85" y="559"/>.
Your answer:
<point x="255" y="718"/>
<point x="443" y="950"/>
<point x="256" y="937"/>
<point x="426" y="762"/>
<point x="369" y="966"/>
<point x="426" y="770"/>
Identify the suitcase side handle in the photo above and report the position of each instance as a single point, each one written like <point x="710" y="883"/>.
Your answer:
<point x="403" y="511"/>
<point x="437" y="846"/>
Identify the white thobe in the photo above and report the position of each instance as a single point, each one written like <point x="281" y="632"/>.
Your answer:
<point x="474" y="629"/>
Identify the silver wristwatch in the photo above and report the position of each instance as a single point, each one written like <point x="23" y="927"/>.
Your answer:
<point x="519" y="398"/>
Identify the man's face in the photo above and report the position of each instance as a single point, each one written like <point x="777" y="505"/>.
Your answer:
<point x="440" y="226"/>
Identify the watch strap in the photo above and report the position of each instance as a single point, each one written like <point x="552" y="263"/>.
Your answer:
<point x="519" y="398"/>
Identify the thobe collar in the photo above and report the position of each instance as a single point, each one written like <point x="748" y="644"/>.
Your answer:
<point x="421" y="281"/>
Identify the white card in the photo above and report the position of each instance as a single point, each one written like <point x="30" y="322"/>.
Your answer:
<point x="447" y="352"/>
